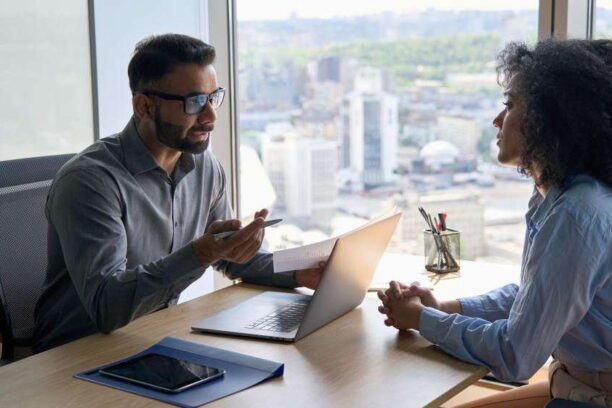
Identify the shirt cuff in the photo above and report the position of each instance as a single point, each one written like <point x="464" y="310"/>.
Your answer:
<point x="182" y="263"/>
<point x="429" y="324"/>
<point x="260" y="271"/>
<point x="285" y="280"/>
<point x="473" y="307"/>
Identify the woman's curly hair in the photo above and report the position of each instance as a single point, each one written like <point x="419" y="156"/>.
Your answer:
<point x="566" y="88"/>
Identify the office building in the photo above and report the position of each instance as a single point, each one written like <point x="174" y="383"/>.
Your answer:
<point x="302" y="172"/>
<point x="461" y="131"/>
<point x="270" y="86"/>
<point x="329" y="69"/>
<point x="369" y="130"/>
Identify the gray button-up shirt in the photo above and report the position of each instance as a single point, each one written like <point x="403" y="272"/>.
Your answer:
<point x="120" y="233"/>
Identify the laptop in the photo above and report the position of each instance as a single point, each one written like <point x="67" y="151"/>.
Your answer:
<point x="291" y="316"/>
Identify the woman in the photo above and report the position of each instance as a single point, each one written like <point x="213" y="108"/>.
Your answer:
<point x="556" y="127"/>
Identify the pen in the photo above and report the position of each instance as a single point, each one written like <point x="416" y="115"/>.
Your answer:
<point x="226" y="234"/>
<point x="442" y="218"/>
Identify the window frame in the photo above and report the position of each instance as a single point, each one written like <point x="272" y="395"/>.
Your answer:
<point x="221" y="20"/>
<point x="564" y="19"/>
<point x="94" y="68"/>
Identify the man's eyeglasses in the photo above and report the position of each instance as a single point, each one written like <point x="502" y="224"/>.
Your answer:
<point x="193" y="104"/>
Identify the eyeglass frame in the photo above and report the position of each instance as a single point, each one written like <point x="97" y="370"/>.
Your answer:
<point x="173" y="97"/>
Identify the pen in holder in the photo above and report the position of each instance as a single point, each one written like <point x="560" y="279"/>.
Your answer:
<point x="442" y="250"/>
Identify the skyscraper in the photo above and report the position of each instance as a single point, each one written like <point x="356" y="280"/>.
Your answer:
<point x="369" y="130"/>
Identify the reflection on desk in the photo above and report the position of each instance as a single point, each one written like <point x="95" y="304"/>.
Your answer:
<point x="474" y="278"/>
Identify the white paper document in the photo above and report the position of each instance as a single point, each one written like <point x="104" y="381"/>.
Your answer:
<point x="309" y="256"/>
<point x="304" y="257"/>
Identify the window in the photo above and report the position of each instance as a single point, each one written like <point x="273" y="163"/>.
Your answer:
<point x="351" y="108"/>
<point x="603" y="19"/>
<point x="46" y="105"/>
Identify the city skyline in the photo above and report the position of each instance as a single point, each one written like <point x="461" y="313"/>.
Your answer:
<point x="396" y="121"/>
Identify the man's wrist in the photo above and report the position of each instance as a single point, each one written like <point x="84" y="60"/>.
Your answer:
<point x="204" y="257"/>
<point x="294" y="276"/>
<point x="297" y="277"/>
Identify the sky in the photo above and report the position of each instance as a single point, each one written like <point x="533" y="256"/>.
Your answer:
<point x="283" y="9"/>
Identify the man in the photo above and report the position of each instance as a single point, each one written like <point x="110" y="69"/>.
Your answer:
<point x="131" y="217"/>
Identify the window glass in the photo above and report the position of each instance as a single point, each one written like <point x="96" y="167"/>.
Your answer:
<point x="603" y="19"/>
<point x="348" y="109"/>
<point x="45" y="78"/>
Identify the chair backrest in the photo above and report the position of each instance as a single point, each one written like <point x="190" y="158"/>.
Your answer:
<point x="24" y="185"/>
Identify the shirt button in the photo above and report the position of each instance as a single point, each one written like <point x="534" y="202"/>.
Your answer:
<point x="176" y="223"/>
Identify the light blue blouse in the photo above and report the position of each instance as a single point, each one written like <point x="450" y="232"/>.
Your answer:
<point x="564" y="303"/>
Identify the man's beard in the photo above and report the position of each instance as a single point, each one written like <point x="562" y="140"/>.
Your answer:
<point x="171" y="135"/>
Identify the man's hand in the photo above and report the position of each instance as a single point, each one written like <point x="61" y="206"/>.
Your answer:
<point x="310" y="278"/>
<point x="238" y="248"/>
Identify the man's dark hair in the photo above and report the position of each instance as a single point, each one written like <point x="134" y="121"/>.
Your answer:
<point x="566" y="87"/>
<point x="158" y="55"/>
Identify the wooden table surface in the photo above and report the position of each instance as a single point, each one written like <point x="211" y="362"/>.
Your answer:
<point x="354" y="361"/>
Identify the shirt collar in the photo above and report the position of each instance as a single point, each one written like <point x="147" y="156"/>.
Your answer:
<point x="541" y="206"/>
<point x="186" y="164"/>
<point x="138" y="158"/>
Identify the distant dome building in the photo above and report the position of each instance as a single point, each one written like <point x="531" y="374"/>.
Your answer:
<point x="439" y="154"/>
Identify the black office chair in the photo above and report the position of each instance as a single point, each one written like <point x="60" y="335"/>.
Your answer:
<point x="24" y="185"/>
<point x="561" y="403"/>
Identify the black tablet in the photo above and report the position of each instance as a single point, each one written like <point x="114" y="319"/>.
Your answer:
<point x="162" y="373"/>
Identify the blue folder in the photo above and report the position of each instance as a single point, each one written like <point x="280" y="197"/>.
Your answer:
<point x="242" y="372"/>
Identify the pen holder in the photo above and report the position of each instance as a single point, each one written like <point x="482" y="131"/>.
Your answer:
<point x="442" y="250"/>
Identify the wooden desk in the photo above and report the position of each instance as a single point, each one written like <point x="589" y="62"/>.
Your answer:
<point x="354" y="361"/>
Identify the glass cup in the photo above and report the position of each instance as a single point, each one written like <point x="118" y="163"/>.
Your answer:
<point x="442" y="251"/>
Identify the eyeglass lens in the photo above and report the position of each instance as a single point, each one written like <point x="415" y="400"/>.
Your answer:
<point x="197" y="103"/>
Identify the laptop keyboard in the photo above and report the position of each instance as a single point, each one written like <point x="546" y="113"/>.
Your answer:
<point x="283" y="320"/>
